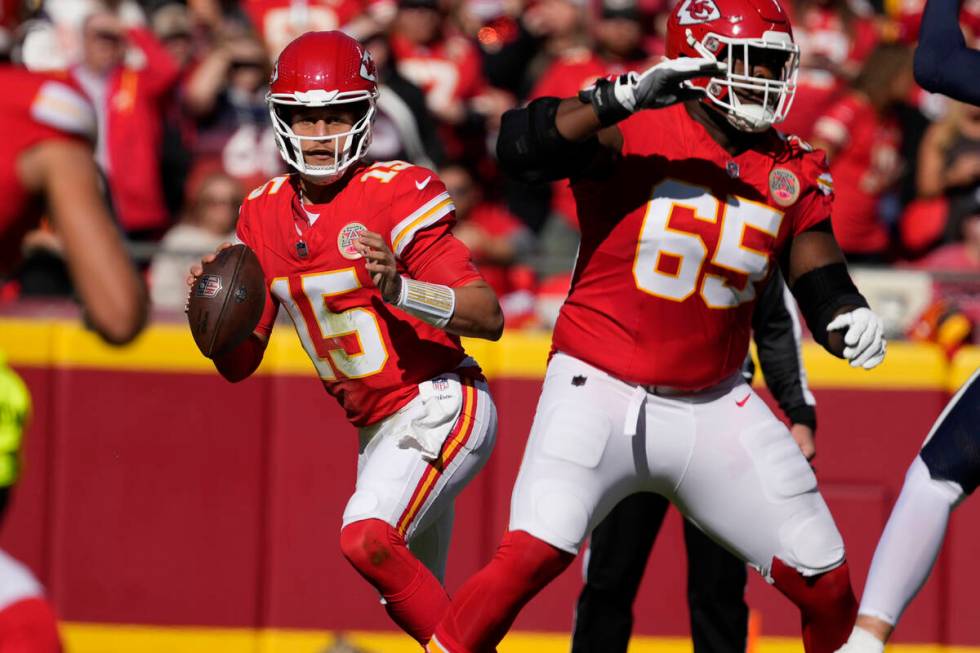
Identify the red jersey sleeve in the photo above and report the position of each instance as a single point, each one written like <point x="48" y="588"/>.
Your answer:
<point x="422" y="217"/>
<point x="248" y="233"/>
<point x="59" y="108"/>
<point x="817" y="197"/>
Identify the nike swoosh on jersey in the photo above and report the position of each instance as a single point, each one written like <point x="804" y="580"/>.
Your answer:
<point x="422" y="184"/>
<point x="742" y="402"/>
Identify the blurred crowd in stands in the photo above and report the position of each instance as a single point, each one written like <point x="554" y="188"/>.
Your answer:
<point x="184" y="131"/>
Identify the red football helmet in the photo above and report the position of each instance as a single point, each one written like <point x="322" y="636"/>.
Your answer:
<point x="749" y="31"/>
<point x="320" y="69"/>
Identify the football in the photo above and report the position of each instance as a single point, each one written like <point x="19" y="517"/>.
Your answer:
<point x="226" y="301"/>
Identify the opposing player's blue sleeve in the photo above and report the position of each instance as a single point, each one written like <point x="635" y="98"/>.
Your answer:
<point x="943" y="63"/>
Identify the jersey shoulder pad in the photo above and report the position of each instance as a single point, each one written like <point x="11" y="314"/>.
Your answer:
<point x="416" y="199"/>
<point x="60" y="105"/>
<point x="274" y="188"/>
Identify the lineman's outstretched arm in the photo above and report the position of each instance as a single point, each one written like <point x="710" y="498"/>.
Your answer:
<point x="554" y="138"/>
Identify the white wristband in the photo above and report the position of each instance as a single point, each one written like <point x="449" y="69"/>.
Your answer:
<point x="430" y="302"/>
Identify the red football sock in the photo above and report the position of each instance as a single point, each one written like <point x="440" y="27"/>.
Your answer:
<point x="414" y="597"/>
<point x="485" y="607"/>
<point x="826" y="602"/>
<point x="29" y="626"/>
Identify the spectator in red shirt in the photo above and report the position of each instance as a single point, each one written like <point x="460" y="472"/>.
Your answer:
<point x="835" y="37"/>
<point x="129" y="99"/>
<point x="861" y="137"/>
<point x="280" y="21"/>
<point x="448" y="68"/>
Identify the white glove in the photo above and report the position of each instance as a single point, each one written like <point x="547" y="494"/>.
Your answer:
<point x="864" y="344"/>
<point x="663" y="84"/>
<point x="656" y="87"/>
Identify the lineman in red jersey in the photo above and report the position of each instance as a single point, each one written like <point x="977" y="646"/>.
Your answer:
<point x="363" y="259"/>
<point x="46" y="168"/>
<point x="683" y="210"/>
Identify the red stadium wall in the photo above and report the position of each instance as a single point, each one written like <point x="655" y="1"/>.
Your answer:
<point x="156" y="493"/>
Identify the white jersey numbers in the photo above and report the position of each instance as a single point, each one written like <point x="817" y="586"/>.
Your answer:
<point x="347" y="344"/>
<point x="669" y="261"/>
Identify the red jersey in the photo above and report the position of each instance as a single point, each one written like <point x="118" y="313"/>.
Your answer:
<point x="448" y="70"/>
<point x="676" y="242"/>
<point x="281" y="21"/>
<point x="370" y="355"/>
<point x="867" y="163"/>
<point x="33" y="108"/>
<point x="565" y="77"/>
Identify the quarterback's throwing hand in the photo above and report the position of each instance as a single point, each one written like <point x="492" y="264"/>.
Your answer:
<point x="381" y="264"/>
<point x="864" y="342"/>
<point x="656" y="87"/>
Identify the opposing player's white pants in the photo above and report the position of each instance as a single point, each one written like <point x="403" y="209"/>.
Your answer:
<point x="16" y="582"/>
<point x="396" y="484"/>
<point x="719" y="455"/>
<point x="910" y="543"/>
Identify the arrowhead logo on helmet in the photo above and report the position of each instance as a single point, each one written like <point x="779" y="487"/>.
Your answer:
<point x="367" y="67"/>
<point x="692" y="12"/>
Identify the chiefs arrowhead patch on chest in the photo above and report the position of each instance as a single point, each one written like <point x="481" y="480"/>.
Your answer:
<point x="784" y="187"/>
<point x="347" y="237"/>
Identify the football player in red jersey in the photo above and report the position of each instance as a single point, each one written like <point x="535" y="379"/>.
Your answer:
<point x="687" y="198"/>
<point x="363" y="259"/>
<point x="46" y="167"/>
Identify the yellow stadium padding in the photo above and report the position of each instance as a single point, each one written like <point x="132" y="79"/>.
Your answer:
<point x="116" y="638"/>
<point x="523" y="355"/>
<point x="965" y="363"/>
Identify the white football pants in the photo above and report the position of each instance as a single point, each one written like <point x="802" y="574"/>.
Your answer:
<point x="719" y="455"/>
<point x="397" y="485"/>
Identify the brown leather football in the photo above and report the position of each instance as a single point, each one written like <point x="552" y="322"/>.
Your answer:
<point x="226" y="301"/>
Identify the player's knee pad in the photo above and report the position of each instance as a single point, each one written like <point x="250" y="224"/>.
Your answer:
<point x="809" y="539"/>
<point x="551" y="500"/>
<point x="827" y="591"/>
<point x="369" y="544"/>
<point x="782" y="469"/>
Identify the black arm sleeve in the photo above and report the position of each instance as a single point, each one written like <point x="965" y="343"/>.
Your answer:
<point x="943" y="62"/>
<point x="777" y="336"/>
<point x="530" y="147"/>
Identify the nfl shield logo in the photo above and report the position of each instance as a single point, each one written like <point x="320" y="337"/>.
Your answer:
<point x="440" y="384"/>
<point x="208" y="285"/>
